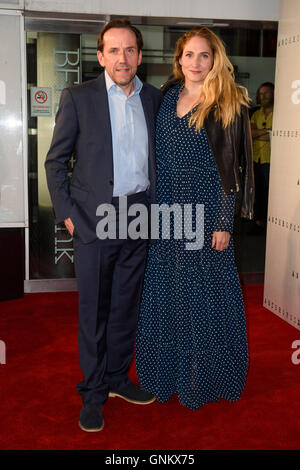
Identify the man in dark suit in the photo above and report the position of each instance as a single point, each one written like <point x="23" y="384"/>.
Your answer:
<point x="110" y="123"/>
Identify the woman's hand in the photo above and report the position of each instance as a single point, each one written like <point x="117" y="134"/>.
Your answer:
<point x="220" y="240"/>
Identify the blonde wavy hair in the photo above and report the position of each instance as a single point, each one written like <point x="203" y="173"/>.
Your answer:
<point x="219" y="89"/>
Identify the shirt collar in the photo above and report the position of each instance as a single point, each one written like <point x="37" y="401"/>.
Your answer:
<point x="111" y="85"/>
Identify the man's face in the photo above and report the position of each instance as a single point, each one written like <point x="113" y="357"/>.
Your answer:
<point x="120" y="55"/>
<point x="266" y="96"/>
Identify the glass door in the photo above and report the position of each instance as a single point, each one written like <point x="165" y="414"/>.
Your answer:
<point x="62" y="52"/>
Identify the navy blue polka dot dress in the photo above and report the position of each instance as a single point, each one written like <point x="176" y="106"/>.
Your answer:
<point x="191" y="338"/>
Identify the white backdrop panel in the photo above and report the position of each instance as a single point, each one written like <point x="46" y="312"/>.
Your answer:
<point x="282" y="273"/>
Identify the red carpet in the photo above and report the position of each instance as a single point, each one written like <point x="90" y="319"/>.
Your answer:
<point x="39" y="405"/>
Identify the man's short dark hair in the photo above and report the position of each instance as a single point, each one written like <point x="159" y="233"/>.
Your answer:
<point x="120" y="23"/>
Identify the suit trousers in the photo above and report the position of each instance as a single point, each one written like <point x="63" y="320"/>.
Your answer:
<point x="110" y="275"/>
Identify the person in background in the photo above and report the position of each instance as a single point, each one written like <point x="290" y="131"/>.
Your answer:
<point x="191" y="338"/>
<point x="261" y="128"/>
<point x="110" y="122"/>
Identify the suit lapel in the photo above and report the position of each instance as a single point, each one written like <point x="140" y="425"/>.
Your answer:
<point x="101" y="109"/>
<point x="147" y="107"/>
<point x="150" y="121"/>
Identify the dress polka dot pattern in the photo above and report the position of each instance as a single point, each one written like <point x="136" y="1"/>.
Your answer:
<point x="191" y="338"/>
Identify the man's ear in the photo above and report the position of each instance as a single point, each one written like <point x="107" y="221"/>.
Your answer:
<point x="140" y="58"/>
<point x="100" y="58"/>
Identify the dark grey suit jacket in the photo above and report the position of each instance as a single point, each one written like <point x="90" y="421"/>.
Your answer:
<point x="83" y="125"/>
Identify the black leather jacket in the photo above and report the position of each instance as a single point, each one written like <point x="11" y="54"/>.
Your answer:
<point x="232" y="151"/>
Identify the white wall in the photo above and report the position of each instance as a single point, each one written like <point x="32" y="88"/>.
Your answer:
<point x="220" y="9"/>
<point x="12" y="4"/>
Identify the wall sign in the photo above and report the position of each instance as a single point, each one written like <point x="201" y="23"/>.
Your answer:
<point x="41" y="101"/>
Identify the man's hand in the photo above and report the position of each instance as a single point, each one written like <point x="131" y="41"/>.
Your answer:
<point x="220" y="240"/>
<point x="260" y="134"/>
<point x="69" y="226"/>
<point x="265" y="136"/>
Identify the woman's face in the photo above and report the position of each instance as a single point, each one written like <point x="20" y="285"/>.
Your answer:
<point x="196" y="60"/>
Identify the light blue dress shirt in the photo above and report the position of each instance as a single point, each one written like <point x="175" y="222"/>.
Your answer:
<point x="129" y="138"/>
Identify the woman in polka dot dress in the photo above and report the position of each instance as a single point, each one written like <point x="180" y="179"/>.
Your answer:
<point x="191" y="338"/>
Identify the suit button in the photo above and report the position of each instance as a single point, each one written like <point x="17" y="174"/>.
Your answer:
<point x="111" y="182"/>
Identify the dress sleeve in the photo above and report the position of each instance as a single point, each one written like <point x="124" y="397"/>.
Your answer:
<point x="224" y="219"/>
